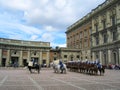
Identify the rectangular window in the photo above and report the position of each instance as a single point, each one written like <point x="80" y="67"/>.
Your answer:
<point x="113" y="20"/>
<point x="105" y="38"/>
<point x="85" y="43"/>
<point x="114" y="35"/>
<point x="81" y="35"/>
<point x="65" y="56"/>
<point x="97" y="40"/>
<point x="78" y="56"/>
<point x="80" y="44"/>
<point x="55" y="58"/>
<point x="104" y="24"/>
<point x="96" y="27"/>
<point x="85" y="33"/>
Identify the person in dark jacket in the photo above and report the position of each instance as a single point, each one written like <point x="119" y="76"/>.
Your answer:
<point x="61" y="64"/>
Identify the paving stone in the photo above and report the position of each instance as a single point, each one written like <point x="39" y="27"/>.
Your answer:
<point x="21" y="79"/>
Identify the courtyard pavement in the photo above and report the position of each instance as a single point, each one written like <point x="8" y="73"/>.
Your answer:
<point x="21" y="79"/>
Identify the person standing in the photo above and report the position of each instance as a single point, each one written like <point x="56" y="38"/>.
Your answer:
<point x="30" y="63"/>
<point x="61" y="64"/>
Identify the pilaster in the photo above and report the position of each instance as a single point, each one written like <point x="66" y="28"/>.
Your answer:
<point x="109" y="56"/>
<point x="48" y="58"/>
<point x="101" y="57"/>
<point x="21" y="59"/>
<point x="118" y="12"/>
<point x="0" y="56"/>
<point x="119" y="56"/>
<point x="110" y="36"/>
<point x="93" y="56"/>
<point x="40" y="61"/>
<point x="118" y="34"/>
<point x="28" y="59"/>
<point x="8" y="60"/>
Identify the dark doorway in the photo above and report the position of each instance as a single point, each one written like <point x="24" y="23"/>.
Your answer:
<point x="3" y="62"/>
<point x="14" y="61"/>
<point x="24" y="62"/>
<point x="44" y="63"/>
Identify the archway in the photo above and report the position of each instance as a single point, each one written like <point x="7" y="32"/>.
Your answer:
<point x="115" y="57"/>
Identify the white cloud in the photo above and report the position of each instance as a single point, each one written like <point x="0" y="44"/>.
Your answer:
<point x="19" y="30"/>
<point x="47" y="37"/>
<point x="16" y="4"/>
<point x="50" y="28"/>
<point x="60" y="13"/>
<point x="34" y="37"/>
<point x="43" y="20"/>
<point x="60" y="4"/>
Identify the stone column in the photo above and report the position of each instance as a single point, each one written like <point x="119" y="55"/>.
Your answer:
<point x="101" y="39"/>
<point x="28" y="59"/>
<point x="48" y="58"/>
<point x="93" y="41"/>
<point x="101" y="57"/>
<point x="110" y="36"/>
<point x="21" y="59"/>
<point x="40" y="58"/>
<point x="8" y="60"/>
<point x="118" y="20"/>
<point x="109" y="56"/>
<point x="108" y="19"/>
<point x="0" y="56"/>
<point x="93" y="56"/>
<point x="118" y="13"/>
<point x="119" y="56"/>
<point x="118" y="32"/>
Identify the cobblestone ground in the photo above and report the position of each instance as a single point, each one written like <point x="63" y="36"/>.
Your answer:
<point x="21" y="79"/>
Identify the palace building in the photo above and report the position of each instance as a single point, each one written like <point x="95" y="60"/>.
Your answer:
<point x="65" y="54"/>
<point x="78" y="37"/>
<point x="97" y="35"/>
<point x="106" y="32"/>
<point x="19" y="52"/>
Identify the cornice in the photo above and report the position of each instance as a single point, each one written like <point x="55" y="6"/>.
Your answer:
<point x="90" y="15"/>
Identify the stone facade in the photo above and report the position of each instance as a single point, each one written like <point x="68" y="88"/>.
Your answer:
<point x="65" y="54"/>
<point x="20" y="52"/>
<point x="103" y="37"/>
<point x="106" y="32"/>
<point x="78" y="37"/>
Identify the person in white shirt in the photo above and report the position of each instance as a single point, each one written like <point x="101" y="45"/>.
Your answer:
<point x="30" y="63"/>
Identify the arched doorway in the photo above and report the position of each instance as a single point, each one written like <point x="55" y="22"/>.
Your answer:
<point x="105" y="57"/>
<point x="115" y="57"/>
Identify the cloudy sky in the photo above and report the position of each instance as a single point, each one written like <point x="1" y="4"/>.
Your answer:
<point x="42" y="20"/>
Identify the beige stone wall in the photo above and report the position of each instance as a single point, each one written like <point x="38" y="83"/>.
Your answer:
<point x="13" y="52"/>
<point x="107" y="52"/>
<point x="106" y="18"/>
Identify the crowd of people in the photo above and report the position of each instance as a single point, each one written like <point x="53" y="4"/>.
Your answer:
<point x="99" y="64"/>
<point x="114" y="66"/>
